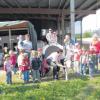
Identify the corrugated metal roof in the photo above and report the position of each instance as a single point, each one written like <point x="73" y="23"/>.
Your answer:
<point x="51" y="4"/>
<point x="46" y="3"/>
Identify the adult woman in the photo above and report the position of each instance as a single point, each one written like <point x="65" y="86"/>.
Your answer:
<point x="96" y="45"/>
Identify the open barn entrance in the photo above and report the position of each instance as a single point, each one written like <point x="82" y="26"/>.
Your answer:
<point x="11" y="41"/>
<point x="10" y="30"/>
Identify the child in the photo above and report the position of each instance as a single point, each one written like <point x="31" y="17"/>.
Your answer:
<point x="44" y="66"/>
<point x="77" y="54"/>
<point x="24" y="67"/>
<point x="7" y="68"/>
<point x="35" y="65"/>
<point x="76" y="62"/>
<point x="91" y="61"/>
<point x="19" y="61"/>
<point x="83" y="62"/>
<point x="13" y="60"/>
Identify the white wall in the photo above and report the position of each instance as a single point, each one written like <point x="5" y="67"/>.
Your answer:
<point x="5" y="39"/>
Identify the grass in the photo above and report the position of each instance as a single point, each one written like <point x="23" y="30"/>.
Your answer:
<point x="44" y="91"/>
<point x="79" y="88"/>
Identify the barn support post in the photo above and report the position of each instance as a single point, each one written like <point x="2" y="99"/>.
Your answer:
<point x="10" y="45"/>
<point x="81" y="34"/>
<point x="59" y="30"/>
<point x="58" y="25"/>
<point x="62" y="27"/>
<point x="72" y="16"/>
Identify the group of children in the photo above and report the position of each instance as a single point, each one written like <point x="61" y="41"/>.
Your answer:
<point x="36" y="64"/>
<point x="26" y="65"/>
<point x="86" y="59"/>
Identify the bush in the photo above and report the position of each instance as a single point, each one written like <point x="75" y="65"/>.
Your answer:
<point x="78" y="36"/>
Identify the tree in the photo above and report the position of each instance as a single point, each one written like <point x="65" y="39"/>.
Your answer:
<point x="87" y="34"/>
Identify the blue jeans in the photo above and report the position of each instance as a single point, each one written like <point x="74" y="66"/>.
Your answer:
<point x="9" y="78"/>
<point x="14" y="70"/>
<point x="91" y="69"/>
<point x="26" y="75"/>
<point x="99" y="57"/>
<point x="96" y="61"/>
<point x="35" y="75"/>
<point x="83" y="69"/>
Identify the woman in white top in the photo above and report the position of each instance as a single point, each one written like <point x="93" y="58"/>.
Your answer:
<point x="54" y="60"/>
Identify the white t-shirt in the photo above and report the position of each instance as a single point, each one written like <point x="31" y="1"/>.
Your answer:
<point x="20" y="44"/>
<point x="7" y="66"/>
<point x="55" y="57"/>
<point x="27" y="45"/>
<point x="69" y="50"/>
<point x="20" y="59"/>
<point x="52" y="38"/>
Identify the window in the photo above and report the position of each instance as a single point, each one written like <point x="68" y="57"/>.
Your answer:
<point x="5" y="44"/>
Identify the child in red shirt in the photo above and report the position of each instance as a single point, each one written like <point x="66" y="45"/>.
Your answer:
<point x="24" y="67"/>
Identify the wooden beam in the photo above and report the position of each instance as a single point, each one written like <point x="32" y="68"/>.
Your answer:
<point x="66" y="3"/>
<point x="49" y="4"/>
<point x="27" y="2"/>
<point x="82" y="3"/>
<point x="17" y="3"/>
<point x="38" y="2"/>
<point x="24" y="17"/>
<point x="80" y="7"/>
<point x="90" y="8"/>
<point x="81" y="12"/>
<point x="41" y="11"/>
<point x="30" y="11"/>
<point x="84" y="14"/>
<point x="95" y="5"/>
<point x="59" y="4"/>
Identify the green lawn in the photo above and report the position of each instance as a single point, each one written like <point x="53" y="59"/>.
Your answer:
<point x="74" y="89"/>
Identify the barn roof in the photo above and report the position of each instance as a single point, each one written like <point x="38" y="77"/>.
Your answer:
<point x="45" y="9"/>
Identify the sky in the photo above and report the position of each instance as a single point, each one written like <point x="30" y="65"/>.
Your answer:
<point x="89" y="23"/>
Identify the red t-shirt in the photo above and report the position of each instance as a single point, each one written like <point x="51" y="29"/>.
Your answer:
<point x="76" y="57"/>
<point x="97" y="47"/>
<point x="25" y="64"/>
<point x="13" y="59"/>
